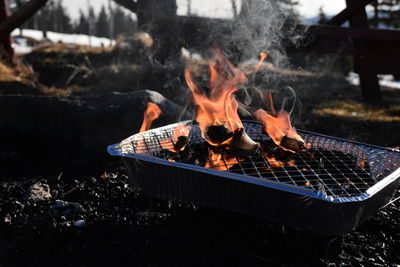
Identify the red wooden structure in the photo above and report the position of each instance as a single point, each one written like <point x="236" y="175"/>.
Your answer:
<point x="375" y="51"/>
<point x="5" y="39"/>
<point x="9" y="23"/>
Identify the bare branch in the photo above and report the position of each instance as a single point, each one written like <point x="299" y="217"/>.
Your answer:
<point x="19" y="17"/>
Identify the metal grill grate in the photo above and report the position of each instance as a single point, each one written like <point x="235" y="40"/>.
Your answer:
<point x="334" y="167"/>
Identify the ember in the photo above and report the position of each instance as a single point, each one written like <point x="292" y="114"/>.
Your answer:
<point x="218" y="107"/>
<point x="217" y="114"/>
<point x="178" y="141"/>
<point x="249" y="163"/>
<point x="226" y="141"/>
<point x="332" y="172"/>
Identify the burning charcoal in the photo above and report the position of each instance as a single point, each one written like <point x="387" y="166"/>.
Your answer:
<point x="172" y="155"/>
<point x="292" y="144"/>
<point x="218" y="133"/>
<point x="241" y="141"/>
<point x="166" y="153"/>
<point x="181" y="142"/>
<point x="275" y="155"/>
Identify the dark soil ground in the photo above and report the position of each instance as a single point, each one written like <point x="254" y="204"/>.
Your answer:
<point x="122" y="228"/>
<point x="115" y="226"/>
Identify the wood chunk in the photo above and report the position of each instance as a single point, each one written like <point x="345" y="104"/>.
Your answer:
<point x="292" y="144"/>
<point x="218" y="133"/>
<point x="181" y="142"/>
<point x="243" y="142"/>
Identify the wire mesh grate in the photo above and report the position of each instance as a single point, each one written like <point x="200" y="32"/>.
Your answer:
<point x="331" y="166"/>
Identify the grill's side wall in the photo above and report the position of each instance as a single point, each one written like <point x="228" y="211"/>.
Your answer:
<point x="189" y="186"/>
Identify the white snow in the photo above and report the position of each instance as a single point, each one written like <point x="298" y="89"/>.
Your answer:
<point x="384" y="80"/>
<point x="21" y="45"/>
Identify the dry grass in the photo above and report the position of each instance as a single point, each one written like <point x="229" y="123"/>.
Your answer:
<point x="116" y="69"/>
<point x="329" y="105"/>
<point x="145" y="39"/>
<point x="62" y="92"/>
<point x="71" y="48"/>
<point x="360" y="111"/>
<point x="22" y="73"/>
<point x="18" y="71"/>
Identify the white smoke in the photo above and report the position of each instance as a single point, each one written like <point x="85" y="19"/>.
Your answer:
<point x="260" y="26"/>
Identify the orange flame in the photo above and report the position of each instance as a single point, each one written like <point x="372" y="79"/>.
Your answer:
<point x="151" y="113"/>
<point x="181" y="130"/>
<point x="219" y="106"/>
<point x="278" y="124"/>
<point x="222" y="162"/>
<point x="263" y="56"/>
<point x="274" y="162"/>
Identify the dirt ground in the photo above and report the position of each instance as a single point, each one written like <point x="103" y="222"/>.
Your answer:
<point x="109" y="224"/>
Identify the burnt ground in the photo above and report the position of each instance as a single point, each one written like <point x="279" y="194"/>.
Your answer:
<point x="123" y="228"/>
<point x="107" y="223"/>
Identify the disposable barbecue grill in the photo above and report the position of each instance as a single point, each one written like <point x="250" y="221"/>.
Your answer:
<point x="330" y="188"/>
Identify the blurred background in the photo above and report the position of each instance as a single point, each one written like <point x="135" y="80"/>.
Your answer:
<point x="320" y="48"/>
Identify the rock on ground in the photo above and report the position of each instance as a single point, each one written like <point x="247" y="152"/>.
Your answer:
<point x="38" y="192"/>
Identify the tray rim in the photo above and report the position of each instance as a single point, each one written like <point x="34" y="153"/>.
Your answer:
<point x="113" y="150"/>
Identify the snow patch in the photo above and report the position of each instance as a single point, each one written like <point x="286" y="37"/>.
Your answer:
<point x="384" y="80"/>
<point x="21" y="44"/>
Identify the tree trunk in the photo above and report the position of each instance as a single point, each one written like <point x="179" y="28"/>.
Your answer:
<point x="376" y="15"/>
<point x="369" y="83"/>
<point x="234" y="8"/>
<point x="8" y="24"/>
<point x="163" y="28"/>
<point x="6" y="50"/>
<point x="158" y="17"/>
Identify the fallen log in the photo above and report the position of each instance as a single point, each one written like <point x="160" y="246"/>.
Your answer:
<point x="41" y="133"/>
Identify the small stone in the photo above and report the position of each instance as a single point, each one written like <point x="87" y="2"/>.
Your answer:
<point x="7" y="219"/>
<point x="19" y="204"/>
<point x="79" y="223"/>
<point x="38" y="192"/>
<point x="63" y="209"/>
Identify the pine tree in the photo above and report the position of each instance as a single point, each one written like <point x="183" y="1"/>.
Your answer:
<point x="82" y="27"/>
<point x="46" y="20"/>
<point x="62" y="21"/>
<point x="322" y="19"/>
<point x="123" y="24"/>
<point x="52" y="17"/>
<point x="119" y="21"/>
<point x="386" y="12"/>
<point x="102" y="24"/>
<point x="91" y="21"/>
